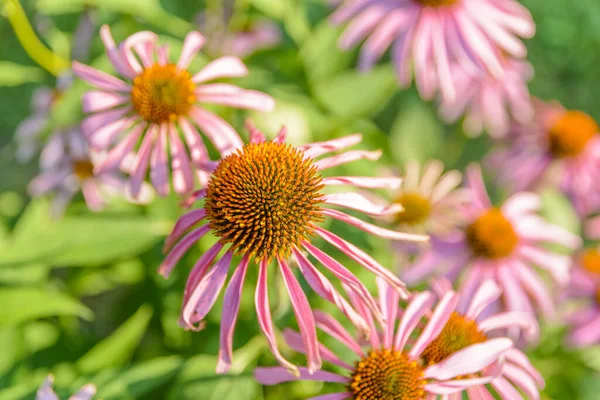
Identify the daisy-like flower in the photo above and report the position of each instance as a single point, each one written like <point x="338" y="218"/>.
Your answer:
<point x="67" y="166"/>
<point x="264" y="202"/>
<point x="503" y="244"/>
<point x="158" y="106"/>
<point x="429" y="199"/>
<point x="28" y="134"/>
<point x="471" y="323"/>
<point x="45" y="391"/>
<point x="560" y="147"/>
<point x="488" y="102"/>
<point x="585" y="286"/>
<point x="430" y="35"/>
<point x="393" y="365"/>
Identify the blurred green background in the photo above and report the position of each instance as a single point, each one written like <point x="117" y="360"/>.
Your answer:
<point x="80" y="296"/>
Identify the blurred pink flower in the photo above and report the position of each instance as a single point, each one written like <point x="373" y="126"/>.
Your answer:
<point x="28" y="134"/>
<point x="560" y="147"/>
<point x="67" y="167"/>
<point x="159" y="105"/>
<point x="490" y="103"/>
<point x="430" y="35"/>
<point x="585" y="286"/>
<point x="264" y="202"/>
<point x="502" y="244"/>
<point x="393" y="366"/>
<point x="471" y="322"/>
<point x="592" y="228"/>
<point x="45" y="391"/>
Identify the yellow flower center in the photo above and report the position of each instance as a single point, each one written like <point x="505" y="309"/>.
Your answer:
<point x="571" y="133"/>
<point x="590" y="259"/>
<point x="83" y="169"/>
<point x="387" y="375"/>
<point x="162" y="93"/>
<point x="458" y="333"/>
<point x="436" y="3"/>
<point x="416" y="209"/>
<point x="263" y="199"/>
<point x="492" y="235"/>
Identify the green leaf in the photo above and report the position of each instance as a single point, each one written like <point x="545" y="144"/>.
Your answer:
<point x="12" y="74"/>
<point x="118" y="348"/>
<point x="20" y="304"/>
<point x="140" y="379"/>
<point x="416" y="134"/>
<point x="557" y="209"/>
<point x="355" y="94"/>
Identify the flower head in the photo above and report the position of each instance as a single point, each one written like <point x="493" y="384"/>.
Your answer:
<point x="397" y="364"/>
<point x="502" y="244"/>
<point x="264" y="202"/>
<point x="585" y="286"/>
<point x="67" y="166"/>
<point x="158" y="106"/>
<point x="429" y="36"/>
<point x="45" y="391"/>
<point x="560" y="147"/>
<point x="488" y="102"/>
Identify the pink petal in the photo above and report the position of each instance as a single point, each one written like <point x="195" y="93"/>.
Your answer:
<point x="205" y="294"/>
<point x="281" y="135"/>
<point x="296" y="343"/>
<point x="180" y="249"/>
<point x="100" y="79"/>
<point x="185" y="222"/>
<point x="441" y="314"/>
<point x="388" y="300"/>
<point x="220" y="133"/>
<point x="85" y="393"/>
<point x="558" y="265"/>
<point x="487" y="293"/>
<point x="159" y="170"/>
<point x="418" y="306"/>
<point x="505" y="389"/>
<point x="317" y="149"/>
<point x="191" y="46"/>
<point x="333" y="328"/>
<point x="92" y="195"/>
<point x="456" y="386"/>
<point x="265" y="321"/>
<point x="520" y="204"/>
<point x="118" y="153"/>
<point x="231" y="306"/>
<point x="519" y="358"/>
<point x="94" y="101"/>
<point x="356" y="201"/>
<point x="536" y="288"/>
<point x="224" y="67"/>
<point x="363" y="182"/>
<point x="234" y="96"/>
<point x="270" y="376"/>
<point x="256" y="136"/>
<point x="324" y="288"/>
<point x="510" y="319"/>
<point x="142" y="159"/>
<point x="586" y="335"/>
<point x="198" y="271"/>
<point x="114" y="54"/>
<point x="522" y="381"/>
<point x="106" y="135"/>
<point x="373" y="229"/>
<point x="196" y="147"/>
<point x="183" y="178"/>
<point x="94" y="122"/>
<point x="470" y="360"/>
<point x="475" y="182"/>
<point x="345" y="158"/>
<point x="332" y="396"/>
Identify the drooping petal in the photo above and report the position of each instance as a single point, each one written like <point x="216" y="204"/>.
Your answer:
<point x="118" y="153"/>
<point x="412" y="315"/>
<point x="183" y="178"/>
<point x="364" y="182"/>
<point x="224" y="67"/>
<point x="359" y="202"/>
<point x="180" y="249"/>
<point x="159" y="170"/>
<point x="185" y="222"/>
<point x="333" y="328"/>
<point x="191" y="45"/>
<point x="344" y="158"/>
<point x="275" y="375"/>
<point x="296" y="343"/>
<point x="317" y="149"/>
<point x="487" y="293"/>
<point x="442" y="312"/>
<point x="220" y="133"/>
<point x="94" y="101"/>
<point x="100" y="79"/>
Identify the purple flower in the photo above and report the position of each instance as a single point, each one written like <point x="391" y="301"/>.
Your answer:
<point x="45" y="391"/>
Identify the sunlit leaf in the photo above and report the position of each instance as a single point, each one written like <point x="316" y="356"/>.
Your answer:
<point x="12" y="74"/>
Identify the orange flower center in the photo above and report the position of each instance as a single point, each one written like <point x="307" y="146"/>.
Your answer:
<point x="387" y="375"/>
<point x="492" y="235"/>
<point x="416" y="209"/>
<point x="436" y="3"/>
<point x="83" y="169"/>
<point x="458" y="333"/>
<point x="263" y="199"/>
<point x="571" y="133"/>
<point x="162" y="93"/>
<point x="590" y="259"/>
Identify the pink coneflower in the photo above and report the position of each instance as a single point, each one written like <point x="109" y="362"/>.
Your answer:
<point x="592" y="228"/>
<point x="393" y="367"/>
<point x="585" y="286"/>
<point x="430" y="35"/>
<point x="264" y="202"/>
<point x="28" y="134"/>
<point x="471" y="322"/>
<point x="158" y="105"/>
<point x="45" y="391"/>
<point x="502" y="244"/>
<point x="560" y="147"/>
<point x="488" y="102"/>
<point x="67" y="166"/>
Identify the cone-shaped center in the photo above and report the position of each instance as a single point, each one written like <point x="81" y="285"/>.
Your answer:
<point x="590" y="259"/>
<point x="162" y="93"/>
<point x="83" y="169"/>
<point x="416" y="209"/>
<point x="492" y="235"/>
<point x="569" y="136"/>
<point x="387" y="375"/>
<point x="458" y="333"/>
<point x="435" y="3"/>
<point x="263" y="199"/>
